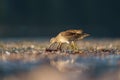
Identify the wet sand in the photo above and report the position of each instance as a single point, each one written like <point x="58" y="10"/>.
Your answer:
<point x="97" y="59"/>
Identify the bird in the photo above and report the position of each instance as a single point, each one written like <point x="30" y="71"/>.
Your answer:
<point x="67" y="37"/>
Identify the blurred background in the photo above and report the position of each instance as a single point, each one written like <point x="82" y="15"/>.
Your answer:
<point x="46" y="18"/>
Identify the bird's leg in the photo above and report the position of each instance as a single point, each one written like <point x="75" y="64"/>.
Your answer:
<point x="59" y="46"/>
<point x="64" y="47"/>
<point x="74" y="45"/>
<point x="69" y="47"/>
<point x="51" y="46"/>
<point x="55" y="46"/>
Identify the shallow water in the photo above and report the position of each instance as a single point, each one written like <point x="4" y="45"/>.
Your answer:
<point x="63" y="68"/>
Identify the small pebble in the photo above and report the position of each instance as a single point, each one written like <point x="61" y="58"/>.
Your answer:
<point x="8" y="53"/>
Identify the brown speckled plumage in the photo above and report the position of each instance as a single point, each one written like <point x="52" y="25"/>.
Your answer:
<point x="68" y="36"/>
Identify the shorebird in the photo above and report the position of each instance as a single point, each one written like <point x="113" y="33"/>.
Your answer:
<point x="67" y="37"/>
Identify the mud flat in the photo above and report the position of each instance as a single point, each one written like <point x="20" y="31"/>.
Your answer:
<point x="97" y="59"/>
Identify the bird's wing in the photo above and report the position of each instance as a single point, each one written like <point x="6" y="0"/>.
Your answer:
<point x="75" y="31"/>
<point x="67" y="33"/>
